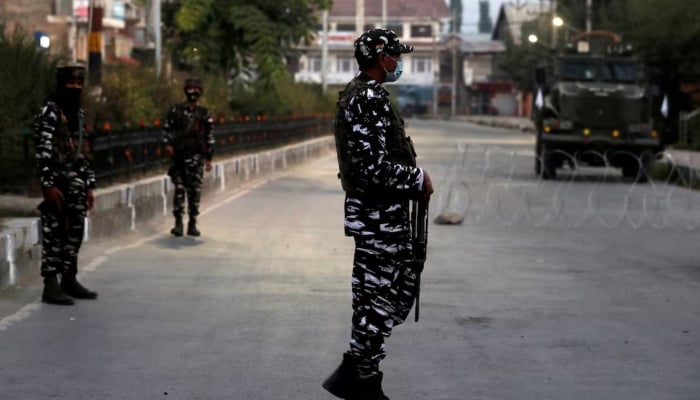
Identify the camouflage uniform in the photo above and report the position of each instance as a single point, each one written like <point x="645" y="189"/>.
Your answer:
<point x="64" y="161"/>
<point x="379" y="174"/>
<point x="190" y="132"/>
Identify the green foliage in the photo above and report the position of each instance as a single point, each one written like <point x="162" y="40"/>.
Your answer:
<point x="665" y="33"/>
<point x="26" y="78"/>
<point x="239" y="39"/>
<point x="520" y="60"/>
<point x="130" y="94"/>
<point x="284" y="98"/>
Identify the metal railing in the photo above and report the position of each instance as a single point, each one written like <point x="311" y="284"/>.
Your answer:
<point x="130" y="153"/>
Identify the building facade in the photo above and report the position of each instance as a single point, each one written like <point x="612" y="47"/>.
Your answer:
<point x="416" y="22"/>
<point x="64" y="25"/>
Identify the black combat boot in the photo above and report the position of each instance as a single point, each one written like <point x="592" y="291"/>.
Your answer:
<point x="178" y="228"/>
<point x="53" y="294"/>
<point x="74" y="289"/>
<point x="192" y="228"/>
<point x="344" y="380"/>
<point x="370" y="388"/>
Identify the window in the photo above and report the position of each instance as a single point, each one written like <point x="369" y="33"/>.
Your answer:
<point x="398" y="28"/>
<point x="418" y="31"/>
<point x="345" y="28"/>
<point x="63" y="7"/>
<point x="345" y="64"/>
<point x="579" y="70"/>
<point x="620" y="72"/>
<point x="421" y="65"/>
<point x="314" y="64"/>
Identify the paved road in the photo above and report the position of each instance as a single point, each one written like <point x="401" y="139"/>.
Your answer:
<point x="259" y="307"/>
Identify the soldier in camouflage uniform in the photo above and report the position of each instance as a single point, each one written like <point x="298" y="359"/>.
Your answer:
<point x="64" y="163"/>
<point x="379" y="175"/>
<point x="189" y="141"/>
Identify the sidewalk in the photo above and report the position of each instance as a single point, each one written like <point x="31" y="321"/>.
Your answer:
<point x="523" y="124"/>
<point x="126" y="207"/>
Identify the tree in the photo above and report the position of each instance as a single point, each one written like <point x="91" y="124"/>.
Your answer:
<point x="520" y="59"/>
<point x="238" y="38"/>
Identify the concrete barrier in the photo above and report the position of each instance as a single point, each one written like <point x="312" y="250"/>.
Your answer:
<point x="123" y="208"/>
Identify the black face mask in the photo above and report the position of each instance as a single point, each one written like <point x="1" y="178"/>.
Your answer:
<point x="68" y="100"/>
<point x="193" y="96"/>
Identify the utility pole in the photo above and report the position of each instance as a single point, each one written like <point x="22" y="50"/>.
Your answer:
<point x="324" y="51"/>
<point x="589" y="17"/>
<point x="360" y="17"/>
<point x="454" y="44"/>
<point x="553" y="12"/>
<point x="384" y="14"/>
<point x="435" y="65"/>
<point x="155" y="26"/>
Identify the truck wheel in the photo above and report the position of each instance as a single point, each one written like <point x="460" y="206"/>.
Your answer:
<point x="632" y="170"/>
<point x="549" y="168"/>
<point x="545" y="166"/>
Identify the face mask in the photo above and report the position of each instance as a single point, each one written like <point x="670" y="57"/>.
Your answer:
<point x="69" y="102"/>
<point x="394" y="76"/>
<point x="192" y="95"/>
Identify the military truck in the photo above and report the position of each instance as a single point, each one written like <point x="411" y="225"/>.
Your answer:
<point x="593" y="107"/>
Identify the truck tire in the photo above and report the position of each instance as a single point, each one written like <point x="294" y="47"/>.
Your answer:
<point x="545" y="166"/>
<point x="549" y="167"/>
<point x="634" y="170"/>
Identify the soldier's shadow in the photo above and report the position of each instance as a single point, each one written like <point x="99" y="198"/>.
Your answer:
<point x="174" y="243"/>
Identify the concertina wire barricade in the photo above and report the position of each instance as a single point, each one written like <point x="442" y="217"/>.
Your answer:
<point x="128" y="153"/>
<point x="498" y="186"/>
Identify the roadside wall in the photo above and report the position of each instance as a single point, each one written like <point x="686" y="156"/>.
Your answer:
<point x="123" y="208"/>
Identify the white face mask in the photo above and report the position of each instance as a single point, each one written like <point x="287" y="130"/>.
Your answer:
<point x="394" y="76"/>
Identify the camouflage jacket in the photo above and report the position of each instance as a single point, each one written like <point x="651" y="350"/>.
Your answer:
<point x="58" y="151"/>
<point x="190" y="132"/>
<point x="376" y="161"/>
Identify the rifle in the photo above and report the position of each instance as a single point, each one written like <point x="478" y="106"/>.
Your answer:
<point x="419" y="239"/>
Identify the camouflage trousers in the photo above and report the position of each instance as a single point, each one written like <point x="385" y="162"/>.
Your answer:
<point x="187" y="176"/>
<point x="62" y="230"/>
<point x="383" y="293"/>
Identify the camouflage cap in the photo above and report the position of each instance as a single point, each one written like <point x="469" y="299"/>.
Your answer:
<point x="375" y="41"/>
<point x="68" y="72"/>
<point x="194" y="82"/>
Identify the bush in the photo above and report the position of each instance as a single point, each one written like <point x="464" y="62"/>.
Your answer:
<point x="26" y="77"/>
<point x="284" y="98"/>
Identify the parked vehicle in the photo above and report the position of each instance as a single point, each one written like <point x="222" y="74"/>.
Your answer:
<point x="594" y="108"/>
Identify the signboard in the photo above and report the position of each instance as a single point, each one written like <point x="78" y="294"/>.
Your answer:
<point x="81" y="10"/>
<point x="336" y="38"/>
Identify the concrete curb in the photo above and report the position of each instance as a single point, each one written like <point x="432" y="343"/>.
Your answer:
<point x="124" y="208"/>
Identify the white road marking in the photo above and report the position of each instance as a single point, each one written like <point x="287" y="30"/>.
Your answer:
<point x="26" y="311"/>
<point x="22" y="313"/>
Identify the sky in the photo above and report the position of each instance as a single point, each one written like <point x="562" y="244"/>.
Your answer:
<point x="470" y="16"/>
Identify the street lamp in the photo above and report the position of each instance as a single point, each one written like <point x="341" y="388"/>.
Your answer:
<point x="44" y="42"/>
<point x="557" y="21"/>
<point x="532" y="38"/>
